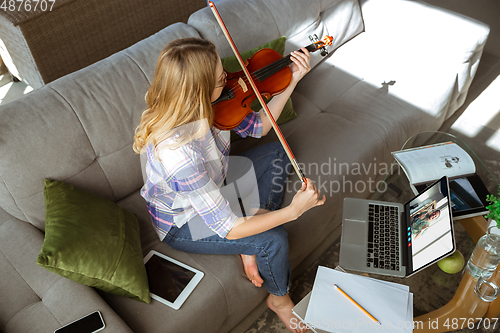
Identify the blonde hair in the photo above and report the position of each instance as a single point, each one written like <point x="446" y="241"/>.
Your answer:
<point x="180" y="92"/>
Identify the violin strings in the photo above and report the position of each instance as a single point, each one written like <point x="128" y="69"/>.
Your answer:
<point x="267" y="71"/>
<point x="270" y="69"/>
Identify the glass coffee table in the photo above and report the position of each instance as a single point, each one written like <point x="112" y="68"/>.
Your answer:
<point x="444" y="302"/>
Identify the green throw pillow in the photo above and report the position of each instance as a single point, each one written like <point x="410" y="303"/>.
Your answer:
<point x="92" y="241"/>
<point x="231" y="65"/>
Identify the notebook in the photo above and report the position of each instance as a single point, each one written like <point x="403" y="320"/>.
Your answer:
<point x="394" y="239"/>
<point x="325" y="309"/>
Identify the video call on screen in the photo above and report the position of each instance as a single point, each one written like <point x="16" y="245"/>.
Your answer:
<point x="430" y="234"/>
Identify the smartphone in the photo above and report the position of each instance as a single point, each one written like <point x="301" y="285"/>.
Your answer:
<point x="89" y="324"/>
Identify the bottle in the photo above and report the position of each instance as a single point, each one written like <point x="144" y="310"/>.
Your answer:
<point x="494" y="307"/>
<point x="478" y="303"/>
<point x="486" y="255"/>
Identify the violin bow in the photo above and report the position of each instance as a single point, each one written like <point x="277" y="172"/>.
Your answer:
<point x="283" y="142"/>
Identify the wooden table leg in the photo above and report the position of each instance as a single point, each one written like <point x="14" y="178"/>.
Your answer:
<point x="457" y="313"/>
<point x="475" y="227"/>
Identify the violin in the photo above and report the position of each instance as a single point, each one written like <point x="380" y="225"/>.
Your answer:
<point x="272" y="75"/>
<point x="249" y="81"/>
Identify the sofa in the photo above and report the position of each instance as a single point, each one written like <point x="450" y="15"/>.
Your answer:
<point x="44" y="40"/>
<point x="395" y="68"/>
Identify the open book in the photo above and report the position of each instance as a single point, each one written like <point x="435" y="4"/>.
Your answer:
<point x="424" y="165"/>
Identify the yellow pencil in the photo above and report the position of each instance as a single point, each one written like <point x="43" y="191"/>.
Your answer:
<point x="355" y="303"/>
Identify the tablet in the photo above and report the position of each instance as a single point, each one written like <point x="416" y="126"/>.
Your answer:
<point x="170" y="281"/>
<point x="468" y="196"/>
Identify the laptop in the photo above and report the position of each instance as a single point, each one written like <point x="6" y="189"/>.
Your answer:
<point x="394" y="239"/>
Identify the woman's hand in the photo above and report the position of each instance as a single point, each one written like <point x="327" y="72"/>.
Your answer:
<point x="300" y="66"/>
<point x="306" y="198"/>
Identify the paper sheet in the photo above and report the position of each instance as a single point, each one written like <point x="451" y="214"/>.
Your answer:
<point x="301" y="308"/>
<point x="329" y="310"/>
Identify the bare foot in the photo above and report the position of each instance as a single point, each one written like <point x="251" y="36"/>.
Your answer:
<point x="251" y="269"/>
<point x="283" y="305"/>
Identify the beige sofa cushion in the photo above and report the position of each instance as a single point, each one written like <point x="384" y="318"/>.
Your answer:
<point x="79" y="129"/>
<point x="339" y="18"/>
<point x="34" y="299"/>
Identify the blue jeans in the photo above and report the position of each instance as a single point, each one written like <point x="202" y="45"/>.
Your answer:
<point x="270" y="247"/>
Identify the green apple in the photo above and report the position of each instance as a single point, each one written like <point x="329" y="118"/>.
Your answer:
<point x="452" y="264"/>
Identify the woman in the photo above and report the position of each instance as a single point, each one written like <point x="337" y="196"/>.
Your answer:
<point x="187" y="164"/>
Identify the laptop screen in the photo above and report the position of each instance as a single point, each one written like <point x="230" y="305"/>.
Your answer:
<point x="429" y="226"/>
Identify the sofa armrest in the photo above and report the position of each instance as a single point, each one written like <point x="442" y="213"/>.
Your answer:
<point x="426" y="50"/>
<point x="434" y="35"/>
<point x="34" y="299"/>
<point x="425" y="29"/>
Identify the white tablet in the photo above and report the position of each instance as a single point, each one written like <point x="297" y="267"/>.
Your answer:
<point x="170" y="281"/>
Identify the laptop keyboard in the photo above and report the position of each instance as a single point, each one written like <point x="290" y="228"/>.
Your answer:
<point x="383" y="237"/>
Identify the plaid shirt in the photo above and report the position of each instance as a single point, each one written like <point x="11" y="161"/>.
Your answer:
<point x="185" y="182"/>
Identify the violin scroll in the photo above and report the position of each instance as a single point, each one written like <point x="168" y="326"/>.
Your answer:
<point x="321" y="44"/>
